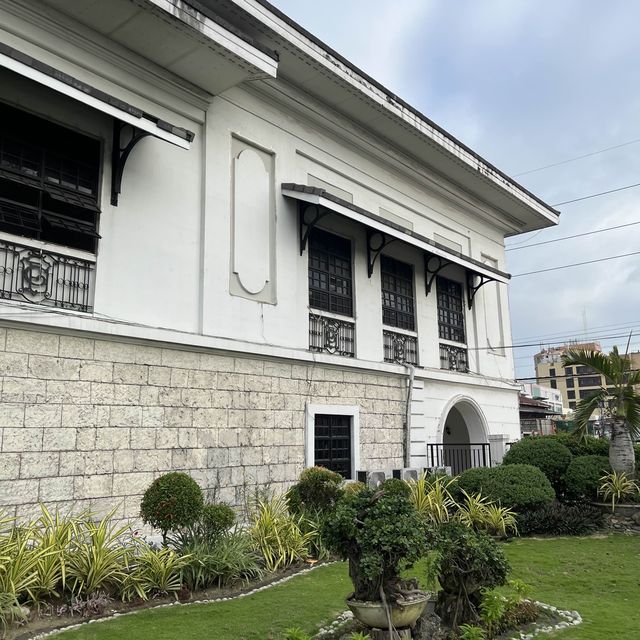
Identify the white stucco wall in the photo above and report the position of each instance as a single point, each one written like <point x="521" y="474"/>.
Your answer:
<point x="165" y="258"/>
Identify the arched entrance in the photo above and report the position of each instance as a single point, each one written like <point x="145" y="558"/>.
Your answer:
<point x="464" y="437"/>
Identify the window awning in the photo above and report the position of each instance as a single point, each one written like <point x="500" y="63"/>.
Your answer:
<point x="48" y="76"/>
<point x="437" y="256"/>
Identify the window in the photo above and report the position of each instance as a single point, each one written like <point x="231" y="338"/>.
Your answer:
<point x="553" y="384"/>
<point x="589" y="381"/>
<point x="569" y="371"/>
<point x="572" y="405"/>
<point x="330" y="276"/>
<point x="581" y="370"/>
<point x="332" y="438"/>
<point x="570" y="382"/>
<point x="49" y="181"/>
<point x="450" y="310"/>
<point x="398" y="308"/>
<point x="552" y="373"/>
<point x="571" y="394"/>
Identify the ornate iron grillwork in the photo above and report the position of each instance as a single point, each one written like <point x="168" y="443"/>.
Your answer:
<point x="453" y="358"/>
<point x="44" y="277"/>
<point x="331" y="335"/>
<point x="400" y="348"/>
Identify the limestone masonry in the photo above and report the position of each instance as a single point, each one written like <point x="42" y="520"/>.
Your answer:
<point x="89" y="423"/>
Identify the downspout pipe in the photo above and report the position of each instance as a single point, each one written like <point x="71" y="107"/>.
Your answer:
<point x="411" y="371"/>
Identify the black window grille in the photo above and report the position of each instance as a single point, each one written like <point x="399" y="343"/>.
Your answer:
<point x="553" y="384"/>
<point x="49" y="181"/>
<point x="330" y="275"/>
<point x="572" y="405"/>
<point x="587" y="393"/>
<point x="332" y="443"/>
<point x="450" y="310"/>
<point x="583" y="369"/>
<point x="398" y="306"/>
<point x="571" y="394"/>
<point x="570" y="382"/>
<point x="552" y="373"/>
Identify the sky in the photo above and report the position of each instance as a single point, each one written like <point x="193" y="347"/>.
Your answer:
<point x="526" y="83"/>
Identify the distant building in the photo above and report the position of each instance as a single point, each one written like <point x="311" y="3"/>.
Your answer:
<point x="574" y="383"/>
<point x="539" y="405"/>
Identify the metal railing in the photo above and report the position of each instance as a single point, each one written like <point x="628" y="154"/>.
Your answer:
<point x="34" y="275"/>
<point x="459" y="456"/>
<point x="331" y="335"/>
<point x="400" y="347"/>
<point x="454" y="358"/>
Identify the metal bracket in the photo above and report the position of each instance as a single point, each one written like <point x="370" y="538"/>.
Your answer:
<point x="309" y="216"/>
<point x="433" y="265"/>
<point x="472" y="288"/>
<point x="120" y="154"/>
<point x="376" y="242"/>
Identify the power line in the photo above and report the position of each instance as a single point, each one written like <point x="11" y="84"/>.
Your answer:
<point x="559" y="334"/>
<point x="576" y="264"/>
<point x="596" y="195"/>
<point x="571" y="375"/>
<point x="577" y="235"/>
<point x="537" y="233"/>
<point x="568" y="160"/>
<point x="549" y="342"/>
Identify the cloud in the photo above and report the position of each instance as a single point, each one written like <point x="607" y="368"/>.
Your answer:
<point x="526" y="83"/>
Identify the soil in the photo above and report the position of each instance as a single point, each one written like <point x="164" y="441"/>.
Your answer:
<point x="44" y="623"/>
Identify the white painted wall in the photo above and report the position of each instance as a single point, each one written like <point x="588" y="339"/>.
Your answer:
<point x="165" y="258"/>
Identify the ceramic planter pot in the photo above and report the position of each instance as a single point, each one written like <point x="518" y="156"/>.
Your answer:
<point x="373" y="614"/>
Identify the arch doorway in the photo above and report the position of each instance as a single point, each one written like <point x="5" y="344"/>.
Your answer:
<point x="464" y="438"/>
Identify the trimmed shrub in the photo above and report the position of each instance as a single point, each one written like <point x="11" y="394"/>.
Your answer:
<point x="558" y="519"/>
<point x="517" y="486"/>
<point x="171" y="502"/>
<point x="470" y="562"/>
<point x="380" y="533"/>
<point x="550" y="456"/>
<point x="317" y="490"/>
<point x="587" y="446"/>
<point x="216" y="519"/>
<point x="582" y="479"/>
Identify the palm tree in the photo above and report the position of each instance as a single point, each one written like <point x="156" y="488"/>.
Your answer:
<point x="620" y="399"/>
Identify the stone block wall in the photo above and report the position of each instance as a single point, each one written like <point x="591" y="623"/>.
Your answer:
<point x="89" y="423"/>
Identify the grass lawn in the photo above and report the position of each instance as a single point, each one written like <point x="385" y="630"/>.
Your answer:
<point x="599" y="577"/>
<point x="306" y="601"/>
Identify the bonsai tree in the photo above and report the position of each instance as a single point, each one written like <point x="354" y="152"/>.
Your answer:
<point x="469" y="562"/>
<point x="619" y="398"/>
<point x="380" y="533"/>
<point x="171" y="502"/>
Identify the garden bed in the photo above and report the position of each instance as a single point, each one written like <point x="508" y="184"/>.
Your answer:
<point x="50" y="623"/>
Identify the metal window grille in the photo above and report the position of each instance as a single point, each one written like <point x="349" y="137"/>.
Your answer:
<point x="49" y="181"/>
<point x="400" y="348"/>
<point x="398" y="307"/>
<point x="43" y="277"/>
<point x="450" y="310"/>
<point x="453" y="358"/>
<point x="330" y="276"/>
<point x="331" y="336"/>
<point x="332" y="443"/>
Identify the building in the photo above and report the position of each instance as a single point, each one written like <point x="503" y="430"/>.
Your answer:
<point x="574" y="383"/>
<point x="226" y="250"/>
<point x="539" y="405"/>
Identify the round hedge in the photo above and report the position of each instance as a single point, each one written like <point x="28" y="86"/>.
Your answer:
<point x="171" y="502"/>
<point x="517" y="486"/>
<point x="587" y="446"/>
<point x="550" y="456"/>
<point x="217" y="519"/>
<point x="317" y="490"/>
<point x="582" y="478"/>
